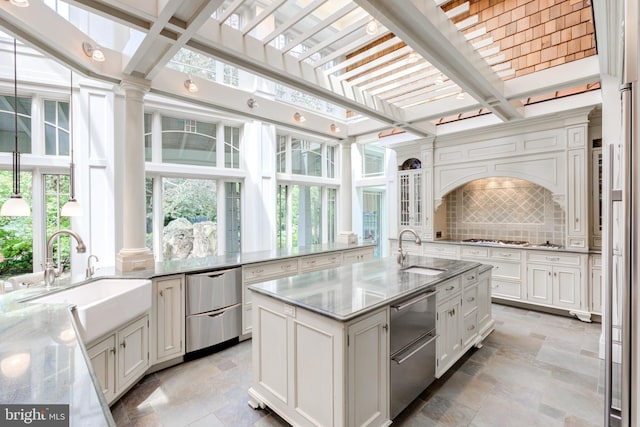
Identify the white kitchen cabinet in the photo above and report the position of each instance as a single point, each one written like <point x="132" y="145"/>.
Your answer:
<point x="352" y="256"/>
<point x="368" y="367"/>
<point x="595" y="283"/>
<point x="596" y="198"/>
<point x="121" y="358"/>
<point x="485" y="321"/>
<point x="540" y="283"/>
<point x="449" y="326"/>
<point x="441" y="250"/>
<point x="320" y="262"/>
<point x="313" y="370"/>
<point x="554" y="285"/>
<point x="103" y="360"/>
<point x="410" y="200"/>
<point x="169" y="326"/>
<point x="577" y="197"/>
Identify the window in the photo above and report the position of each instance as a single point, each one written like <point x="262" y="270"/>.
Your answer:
<point x="190" y="218"/>
<point x="7" y="124"/>
<point x="372" y="160"/>
<point x="306" y="157"/>
<point x="231" y="147"/>
<point x="372" y="212"/>
<point x="56" y="128"/>
<point x="305" y="204"/>
<point x="147" y="137"/>
<point x="331" y="161"/>
<point x="56" y="192"/>
<point x="232" y="217"/>
<point x="281" y="154"/>
<point x="16" y="233"/>
<point x="188" y="142"/>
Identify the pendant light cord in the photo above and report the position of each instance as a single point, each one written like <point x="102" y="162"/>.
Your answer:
<point x="16" y="153"/>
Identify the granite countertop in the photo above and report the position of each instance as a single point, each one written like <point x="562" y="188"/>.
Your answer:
<point x="344" y="293"/>
<point x="43" y="361"/>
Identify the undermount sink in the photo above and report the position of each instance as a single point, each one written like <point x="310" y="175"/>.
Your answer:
<point x="423" y="270"/>
<point x="104" y="304"/>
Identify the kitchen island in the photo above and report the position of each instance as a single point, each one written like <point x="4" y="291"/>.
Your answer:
<point x="322" y="341"/>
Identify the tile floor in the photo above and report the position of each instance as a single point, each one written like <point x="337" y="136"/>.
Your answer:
<point x="535" y="369"/>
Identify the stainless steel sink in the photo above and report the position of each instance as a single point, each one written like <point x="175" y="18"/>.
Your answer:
<point x="427" y="271"/>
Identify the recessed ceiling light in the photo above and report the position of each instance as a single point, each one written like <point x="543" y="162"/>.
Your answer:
<point x="372" y="27"/>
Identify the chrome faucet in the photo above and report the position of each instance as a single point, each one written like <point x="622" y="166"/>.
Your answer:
<point x="90" y="269"/>
<point x="50" y="271"/>
<point x="403" y="255"/>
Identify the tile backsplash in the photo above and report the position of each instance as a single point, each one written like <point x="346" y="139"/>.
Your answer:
<point x="504" y="208"/>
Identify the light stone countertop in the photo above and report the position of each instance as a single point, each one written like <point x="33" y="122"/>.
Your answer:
<point x="43" y="361"/>
<point x="346" y="292"/>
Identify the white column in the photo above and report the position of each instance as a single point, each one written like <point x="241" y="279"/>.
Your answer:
<point x="345" y="208"/>
<point x="134" y="254"/>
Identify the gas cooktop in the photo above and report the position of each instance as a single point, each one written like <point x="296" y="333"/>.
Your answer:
<point x="497" y="242"/>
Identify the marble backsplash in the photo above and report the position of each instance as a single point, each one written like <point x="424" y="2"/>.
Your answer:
<point x="504" y="208"/>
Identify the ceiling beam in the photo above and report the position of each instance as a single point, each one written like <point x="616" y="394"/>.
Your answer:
<point x="427" y="29"/>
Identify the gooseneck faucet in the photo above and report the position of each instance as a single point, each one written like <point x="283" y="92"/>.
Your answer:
<point x="90" y="269"/>
<point x="403" y="255"/>
<point x="50" y="271"/>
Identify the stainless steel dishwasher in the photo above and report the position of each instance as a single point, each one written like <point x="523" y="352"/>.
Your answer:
<point x="213" y="308"/>
<point x="412" y="350"/>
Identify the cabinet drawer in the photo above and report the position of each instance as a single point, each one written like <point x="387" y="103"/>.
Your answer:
<point x="555" y="258"/>
<point x="506" y="270"/>
<point x="260" y="272"/>
<point x="474" y="252"/>
<point x="449" y="289"/>
<point x="441" y="250"/>
<point x="470" y="299"/>
<point x="503" y="288"/>
<point x="470" y="277"/>
<point x="470" y="327"/>
<point x="499" y="253"/>
<point x="319" y="262"/>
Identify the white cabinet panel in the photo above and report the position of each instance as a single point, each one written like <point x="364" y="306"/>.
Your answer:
<point x="103" y="361"/>
<point x="539" y="284"/>
<point x="169" y="325"/>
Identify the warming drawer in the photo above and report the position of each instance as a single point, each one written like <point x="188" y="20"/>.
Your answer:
<point x="206" y="329"/>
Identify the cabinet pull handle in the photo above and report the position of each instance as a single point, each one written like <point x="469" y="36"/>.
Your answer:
<point x="450" y="288"/>
<point x="553" y="258"/>
<point x="505" y="255"/>
<point x="161" y="293"/>
<point x="470" y="299"/>
<point x="385" y="327"/>
<point x="471" y="328"/>
<point x="123" y="344"/>
<point x="113" y="350"/>
<point x="471" y="278"/>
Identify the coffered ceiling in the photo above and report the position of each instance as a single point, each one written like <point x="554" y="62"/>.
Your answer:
<point x="390" y="64"/>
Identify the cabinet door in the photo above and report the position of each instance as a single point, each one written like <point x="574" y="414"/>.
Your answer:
<point x="410" y="199"/>
<point x="133" y="351"/>
<point x="103" y="361"/>
<point x="368" y="367"/>
<point x="539" y="283"/>
<point x="596" y="290"/>
<point x="449" y="329"/>
<point x="484" y="299"/>
<point x="170" y="318"/>
<point x="566" y="287"/>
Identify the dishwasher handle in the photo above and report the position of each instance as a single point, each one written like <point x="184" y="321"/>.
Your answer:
<point x="401" y="358"/>
<point x="405" y="305"/>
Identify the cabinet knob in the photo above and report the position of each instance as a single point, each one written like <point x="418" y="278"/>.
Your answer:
<point x="385" y="327"/>
<point x="161" y="293"/>
<point x="549" y="273"/>
<point x="113" y="350"/>
<point x="123" y="344"/>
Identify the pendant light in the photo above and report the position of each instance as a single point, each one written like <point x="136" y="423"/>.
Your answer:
<point x="16" y="205"/>
<point x="72" y="207"/>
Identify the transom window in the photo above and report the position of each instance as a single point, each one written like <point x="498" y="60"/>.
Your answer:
<point x="7" y="124"/>
<point x="56" y="128"/>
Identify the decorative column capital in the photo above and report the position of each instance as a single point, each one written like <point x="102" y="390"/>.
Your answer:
<point x="132" y="87"/>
